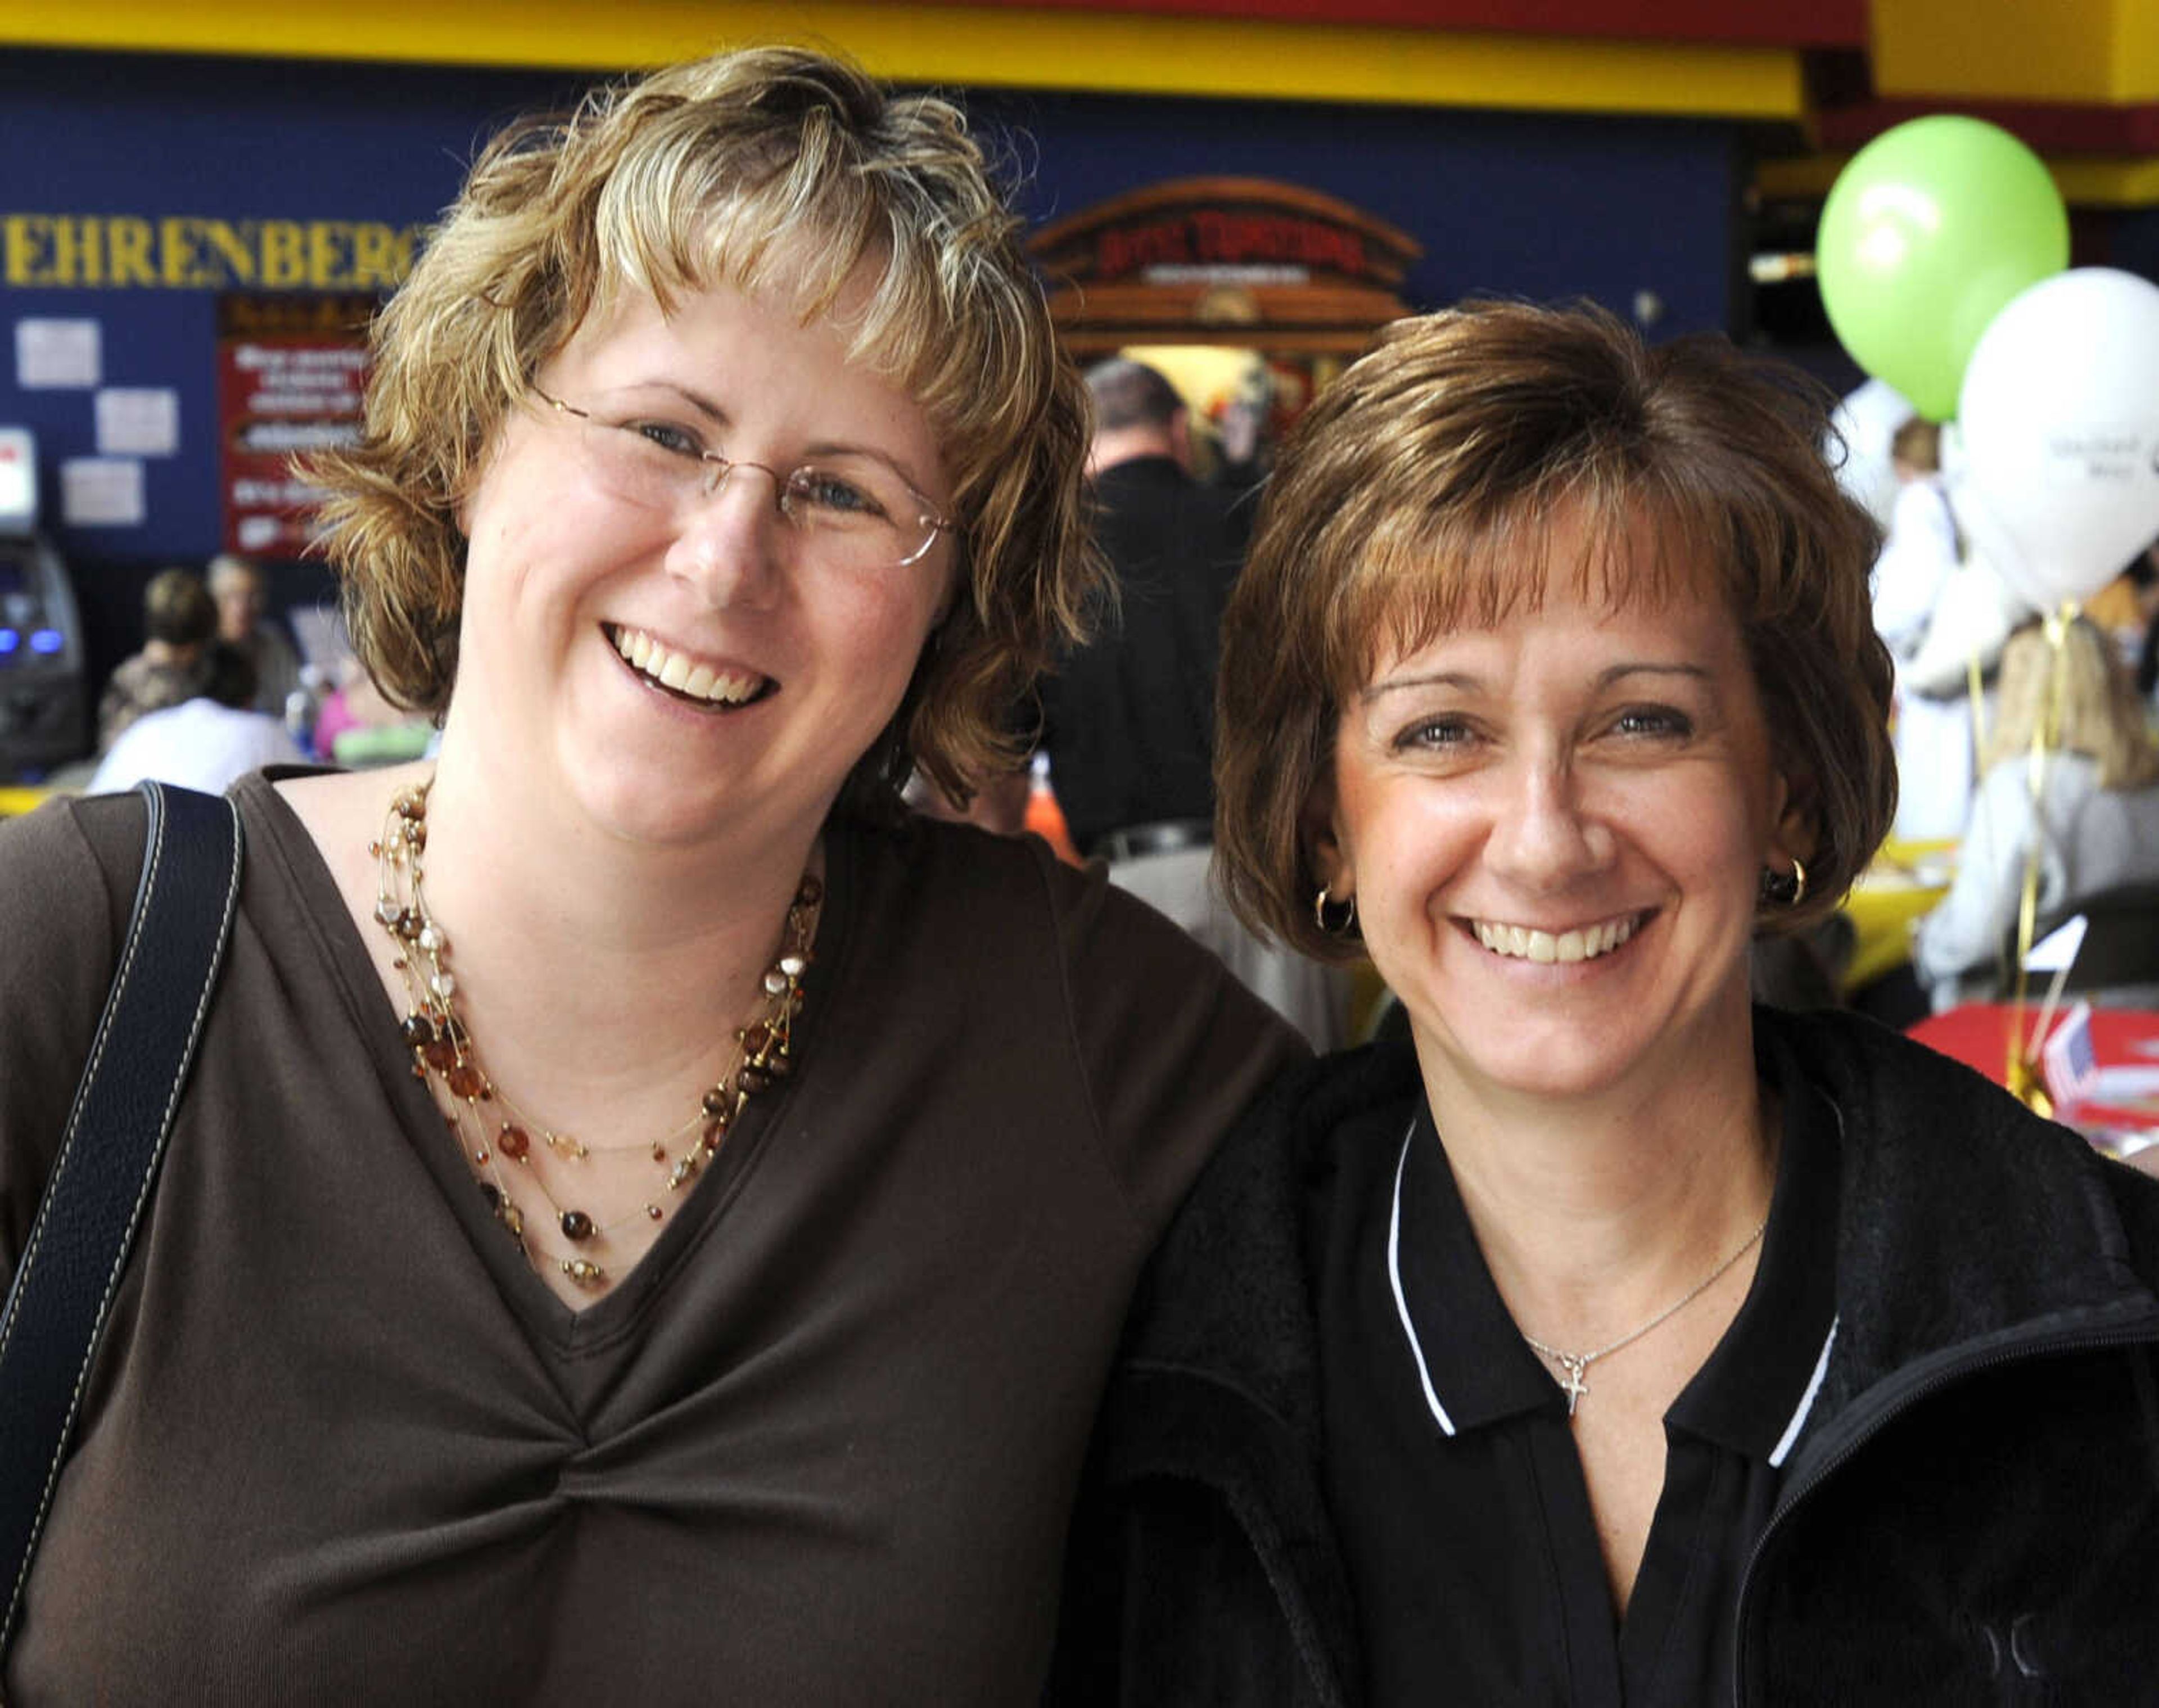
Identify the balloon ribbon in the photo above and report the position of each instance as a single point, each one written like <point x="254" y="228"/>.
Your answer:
<point x="2022" y="1074"/>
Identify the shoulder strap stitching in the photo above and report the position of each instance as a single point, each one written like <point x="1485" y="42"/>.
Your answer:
<point x="150" y="1173"/>
<point x="153" y="861"/>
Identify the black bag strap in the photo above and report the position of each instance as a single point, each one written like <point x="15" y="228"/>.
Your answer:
<point x="109" y="1154"/>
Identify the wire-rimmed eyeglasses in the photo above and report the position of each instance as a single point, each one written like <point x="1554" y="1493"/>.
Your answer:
<point x="853" y="510"/>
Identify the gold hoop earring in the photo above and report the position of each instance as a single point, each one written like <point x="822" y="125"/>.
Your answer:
<point x="1346" y="926"/>
<point x="1784" y="892"/>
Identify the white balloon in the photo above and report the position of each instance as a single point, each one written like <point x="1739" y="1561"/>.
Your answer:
<point x="2059" y="415"/>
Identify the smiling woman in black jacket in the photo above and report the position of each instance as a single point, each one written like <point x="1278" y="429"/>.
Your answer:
<point x="1612" y="1340"/>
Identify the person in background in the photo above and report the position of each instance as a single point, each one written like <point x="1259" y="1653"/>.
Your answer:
<point x="649" y="1221"/>
<point x="1611" y="1339"/>
<point x="236" y="584"/>
<point x="1921" y="546"/>
<point x="1242" y="429"/>
<point x="178" y="620"/>
<point x="2096" y="822"/>
<point x="1128" y="719"/>
<point x="2126" y="611"/>
<point x="1863" y="427"/>
<point x="206" y="743"/>
<point x="357" y="727"/>
<point x="2142" y="648"/>
<point x="1926" y="614"/>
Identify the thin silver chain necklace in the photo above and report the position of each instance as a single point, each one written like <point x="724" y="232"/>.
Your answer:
<point x="1574" y="1366"/>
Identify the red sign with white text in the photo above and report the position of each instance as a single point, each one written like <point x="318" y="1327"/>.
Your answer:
<point x="291" y="376"/>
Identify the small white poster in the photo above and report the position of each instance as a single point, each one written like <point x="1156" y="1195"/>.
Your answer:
<point x="18" y="480"/>
<point x="58" y="355"/>
<point x="101" y="492"/>
<point x="138" y="421"/>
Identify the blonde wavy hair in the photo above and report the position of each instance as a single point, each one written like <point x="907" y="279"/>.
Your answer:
<point x="1418" y="494"/>
<point x="777" y="170"/>
<point x="2103" y="716"/>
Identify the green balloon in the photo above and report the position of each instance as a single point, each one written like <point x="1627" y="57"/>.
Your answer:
<point x="1927" y="234"/>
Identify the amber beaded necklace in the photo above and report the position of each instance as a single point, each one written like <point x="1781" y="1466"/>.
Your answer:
<point x="491" y="1127"/>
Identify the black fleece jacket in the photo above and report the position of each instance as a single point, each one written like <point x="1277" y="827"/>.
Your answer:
<point x="1971" y="1516"/>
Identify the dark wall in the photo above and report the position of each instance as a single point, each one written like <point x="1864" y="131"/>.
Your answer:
<point x="2135" y="246"/>
<point x="235" y="140"/>
<point x="1544" y="206"/>
<point x="1538" y="206"/>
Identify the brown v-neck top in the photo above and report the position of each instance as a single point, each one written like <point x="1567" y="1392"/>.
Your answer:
<point x="341" y="1444"/>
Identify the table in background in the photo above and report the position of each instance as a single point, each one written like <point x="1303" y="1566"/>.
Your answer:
<point x="1902" y="886"/>
<point x="1977" y="1034"/>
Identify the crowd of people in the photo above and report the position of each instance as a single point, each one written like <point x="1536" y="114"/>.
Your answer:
<point x="219" y="689"/>
<point x="653" y="1216"/>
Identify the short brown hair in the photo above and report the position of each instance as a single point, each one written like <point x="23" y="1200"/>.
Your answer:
<point x="1128" y="393"/>
<point x="769" y="169"/>
<point x="178" y="609"/>
<point x="1418" y="494"/>
<point x="1917" y="441"/>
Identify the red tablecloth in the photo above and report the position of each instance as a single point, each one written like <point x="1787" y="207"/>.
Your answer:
<point x="1977" y="1034"/>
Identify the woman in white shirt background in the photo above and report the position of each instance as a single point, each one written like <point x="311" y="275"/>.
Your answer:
<point x="2096" y="819"/>
<point x="1941" y="609"/>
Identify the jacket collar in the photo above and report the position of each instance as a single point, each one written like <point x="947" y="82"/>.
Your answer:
<point x="1151" y="470"/>
<point x="1753" y="1395"/>
<point x="1963" y="1220"/>
<point x="1961" y="1217"/>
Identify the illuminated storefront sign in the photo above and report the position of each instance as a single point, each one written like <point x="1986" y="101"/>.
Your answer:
<point x="1243" y="259"/>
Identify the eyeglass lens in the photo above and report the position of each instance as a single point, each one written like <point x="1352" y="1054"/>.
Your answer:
<point x="852" y="509"/>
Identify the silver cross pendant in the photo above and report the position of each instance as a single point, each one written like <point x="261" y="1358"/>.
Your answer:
<point x="1575" y="1386"/>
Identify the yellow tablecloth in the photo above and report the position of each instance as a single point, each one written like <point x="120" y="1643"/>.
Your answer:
<point x="1903" y="885"/>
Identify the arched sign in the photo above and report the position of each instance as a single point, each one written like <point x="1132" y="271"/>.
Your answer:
<point x="1239" y="260"/>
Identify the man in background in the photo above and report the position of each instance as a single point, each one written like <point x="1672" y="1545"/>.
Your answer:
<point x="206" y="742"/>
<point x="1131" y="716"/>
<point x="178" y="620"/>
<point x="1128" y="720"/>
<point x="236" y="584"/>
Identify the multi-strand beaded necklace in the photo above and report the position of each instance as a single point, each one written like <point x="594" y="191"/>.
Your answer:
<point x="491" y="1128"/>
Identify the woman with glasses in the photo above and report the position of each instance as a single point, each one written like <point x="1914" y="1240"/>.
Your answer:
<point x="648" y="1222"/>
<point x="1607" y="1339"/>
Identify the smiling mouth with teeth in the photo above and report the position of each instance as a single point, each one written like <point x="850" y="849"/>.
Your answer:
<point x="1521" y="943"/>
<point x="683" y="677"/>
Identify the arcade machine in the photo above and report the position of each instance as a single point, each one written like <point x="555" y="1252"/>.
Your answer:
<point x="43" y="709"/>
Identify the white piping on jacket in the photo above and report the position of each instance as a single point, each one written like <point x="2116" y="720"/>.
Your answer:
<point x="1394" y="1275"/>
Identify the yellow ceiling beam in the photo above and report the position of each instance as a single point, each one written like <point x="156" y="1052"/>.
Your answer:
<point x="1122" y="52"/>
<point x="2106" y="51"/>
<point x="2137" y="29"/>
<point x="2106" y="184"/>
<point x="2085" y="181"/>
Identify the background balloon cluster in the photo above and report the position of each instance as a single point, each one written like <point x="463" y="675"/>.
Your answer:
<point x="1941" y="258"/>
